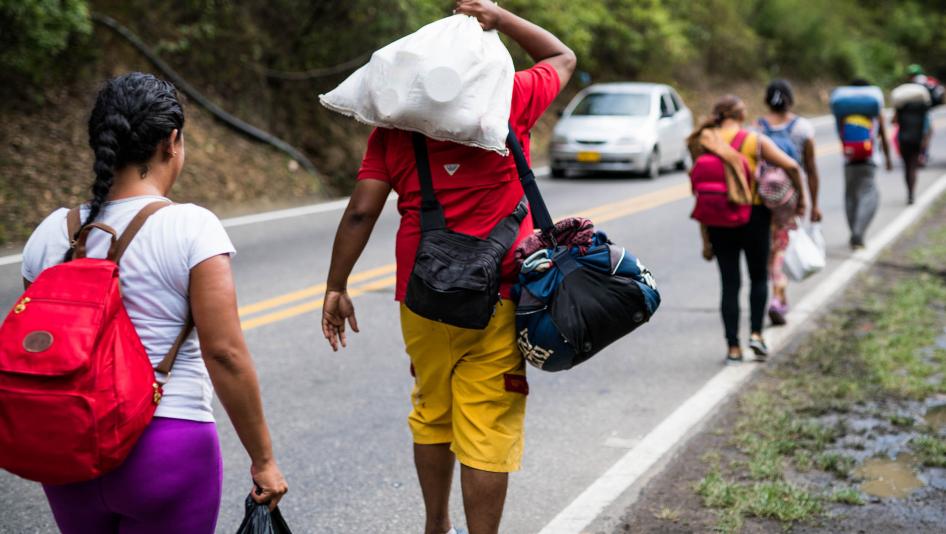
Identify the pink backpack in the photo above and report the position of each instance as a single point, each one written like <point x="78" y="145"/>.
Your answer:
<point x="708" y="180"/>
<point x="779" y="195"/>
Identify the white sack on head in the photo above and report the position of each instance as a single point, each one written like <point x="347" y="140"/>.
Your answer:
<point x="449" y="80"/>
<point x="910" y="93"/>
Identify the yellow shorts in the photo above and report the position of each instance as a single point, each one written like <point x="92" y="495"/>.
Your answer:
<point x="469" y="388"/>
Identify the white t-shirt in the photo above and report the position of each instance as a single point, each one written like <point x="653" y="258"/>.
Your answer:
<point x="155" y="282"/>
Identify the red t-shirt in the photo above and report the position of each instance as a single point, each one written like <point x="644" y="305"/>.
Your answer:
<point x="483" y="189"/>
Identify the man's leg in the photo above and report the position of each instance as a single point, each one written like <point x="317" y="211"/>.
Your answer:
<point x="850" y="197"/>
<point x="484" y="495"/>
<point x="428" y="345"/>
<point x="911" y="161"/>
<point x="434" y="465"/>
<point x="489" y="404"/>
<point x="868" y="199"/>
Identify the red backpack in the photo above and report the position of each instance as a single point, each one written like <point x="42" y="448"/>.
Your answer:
<point x="708" y="180"/>
<point x="76" y="386"/>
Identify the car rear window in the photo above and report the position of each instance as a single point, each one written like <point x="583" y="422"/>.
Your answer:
<point x="624" y="104"/>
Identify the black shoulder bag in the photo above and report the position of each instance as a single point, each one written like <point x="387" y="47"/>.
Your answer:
<point x="456" y="276"/>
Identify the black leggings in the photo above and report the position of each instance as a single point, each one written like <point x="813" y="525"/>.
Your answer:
<point x="753" y="238"/>
<point x="911" y="153"/>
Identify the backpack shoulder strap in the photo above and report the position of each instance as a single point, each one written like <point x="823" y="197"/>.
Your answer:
<point x="168" y="361"/>
<point x="127" y="236"/>
<point x="766" y="127"/>
<point x="740" y="139"/>
<point x="73" y="223"/>
<point x="791" y="125"/>
<point x="134" y="226"/>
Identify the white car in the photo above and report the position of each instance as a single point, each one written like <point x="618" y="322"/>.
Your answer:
<point x="631" y="127"/>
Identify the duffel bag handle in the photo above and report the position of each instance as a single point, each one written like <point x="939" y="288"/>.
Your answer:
<point x="540" y="212"/>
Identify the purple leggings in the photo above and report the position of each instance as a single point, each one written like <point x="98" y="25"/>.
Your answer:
<point x="171" y="482"/>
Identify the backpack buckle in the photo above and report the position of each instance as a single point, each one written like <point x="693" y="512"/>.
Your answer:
<point x="157" y="393"/>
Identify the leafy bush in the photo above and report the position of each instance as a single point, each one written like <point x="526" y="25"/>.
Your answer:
<point x="33" y="33"/>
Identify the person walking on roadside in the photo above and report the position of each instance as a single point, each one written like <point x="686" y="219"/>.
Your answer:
<point x="861" y="196"/>
<point x="913" y="137"/>
<point x="912" y="103"/>
<point x="937" y="91"/>
<point x="795" y="136"/>
<point x="725" y="128"/>
<point x="470" y="387"/>
<point x="177" y="267"/>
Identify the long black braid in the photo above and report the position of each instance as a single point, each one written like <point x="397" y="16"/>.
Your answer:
<point x="133" y="114"/>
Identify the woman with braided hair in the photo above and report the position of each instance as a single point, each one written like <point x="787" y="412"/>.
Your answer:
<point x="177" y="267"/>
<point x="722" y="132"/>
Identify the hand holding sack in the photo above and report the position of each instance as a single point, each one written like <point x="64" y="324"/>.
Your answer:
<point x="450" y="81"/>
<point x="260" y="520"/>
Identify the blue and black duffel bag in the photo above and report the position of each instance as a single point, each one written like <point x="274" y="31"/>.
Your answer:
<point x="577" y="292"/>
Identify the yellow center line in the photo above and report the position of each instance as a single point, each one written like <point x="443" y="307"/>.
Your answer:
<point x="313" y="305"/>
<point x="600" y="214"/>
<point x="312" y="291"/>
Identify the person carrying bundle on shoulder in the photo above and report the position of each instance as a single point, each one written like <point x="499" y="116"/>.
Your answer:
<point x="858" y="112"/>
<point x="470" y="387"/>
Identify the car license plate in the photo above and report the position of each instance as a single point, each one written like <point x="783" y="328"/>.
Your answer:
<point x="589" y="157"/>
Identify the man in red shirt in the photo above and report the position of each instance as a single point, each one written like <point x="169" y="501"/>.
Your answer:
<point x="470" y="387"/>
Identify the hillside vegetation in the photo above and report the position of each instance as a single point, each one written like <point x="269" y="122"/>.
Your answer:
<point x="267" y="61"/>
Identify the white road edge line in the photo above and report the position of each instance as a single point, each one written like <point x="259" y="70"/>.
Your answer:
<point x="671" y="432"/>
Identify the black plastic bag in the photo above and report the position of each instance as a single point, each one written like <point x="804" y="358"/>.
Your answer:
<point x="259" y="520"/>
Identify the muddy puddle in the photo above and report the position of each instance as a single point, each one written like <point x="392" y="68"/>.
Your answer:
<point x="888" y="478"/>
<point x="878" y="436"/>
<point x="936" y="417"/>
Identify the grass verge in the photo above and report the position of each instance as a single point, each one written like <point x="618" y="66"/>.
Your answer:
<point x="802" y="431"/>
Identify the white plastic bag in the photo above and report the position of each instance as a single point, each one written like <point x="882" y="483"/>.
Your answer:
<point x="805" y="254"/>
<point x="450" y="81"/>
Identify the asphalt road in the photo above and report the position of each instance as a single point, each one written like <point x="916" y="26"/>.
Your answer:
<point x="339" y="420"/>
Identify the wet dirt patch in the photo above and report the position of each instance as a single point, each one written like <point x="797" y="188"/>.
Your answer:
<point x="884" y="477"/>
<point x="935" y="416"/>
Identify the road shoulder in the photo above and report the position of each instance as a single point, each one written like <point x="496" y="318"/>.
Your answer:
<point x="843" y="432"/>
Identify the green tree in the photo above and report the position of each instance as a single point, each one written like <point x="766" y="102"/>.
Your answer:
<point x="34" y="33"/>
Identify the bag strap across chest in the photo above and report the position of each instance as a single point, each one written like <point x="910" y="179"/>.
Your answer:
<point x="431" y="211"/>
<point x="116" y="250"/>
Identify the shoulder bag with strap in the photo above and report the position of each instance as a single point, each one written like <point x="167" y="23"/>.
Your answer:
<point x="76" y="386"/>
<point x="456" y="277"/>
<point x="578" y="292"/>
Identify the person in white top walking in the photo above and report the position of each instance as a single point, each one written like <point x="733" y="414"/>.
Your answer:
<point x="179" y="264"/>
<point x="796" y="137"/>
